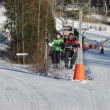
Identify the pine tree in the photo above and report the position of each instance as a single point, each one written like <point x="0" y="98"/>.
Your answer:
<point x="22" y="21"/>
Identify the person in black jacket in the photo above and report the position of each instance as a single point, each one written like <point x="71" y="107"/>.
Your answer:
<point x="102" y="50"/>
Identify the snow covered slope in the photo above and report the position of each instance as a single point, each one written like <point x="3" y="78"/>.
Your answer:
<point x="97" y="35"/>
<point x="23" y="91"/>
<point x="26" y="91"/>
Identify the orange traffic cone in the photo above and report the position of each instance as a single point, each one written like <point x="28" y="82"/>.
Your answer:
<point x="84" y="46"/>
<point x="79" y="73"/>
<point x="91" y="46"/>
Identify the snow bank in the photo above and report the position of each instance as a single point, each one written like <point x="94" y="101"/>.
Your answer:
<point x="97" y="35"/>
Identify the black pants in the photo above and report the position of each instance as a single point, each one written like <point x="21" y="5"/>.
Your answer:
<point x="102" y="51"/>
<point x="72" y="55"/>
<point x="56" y="57"/>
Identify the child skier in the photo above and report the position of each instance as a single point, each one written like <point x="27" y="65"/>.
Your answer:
<point x="102" y="50"/>
<point x="56" y="44"/>
<point x="71" y="45"/>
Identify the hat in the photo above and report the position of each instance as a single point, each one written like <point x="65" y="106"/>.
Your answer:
<point x="71" y="34"/>
<point x="57" y="33"/>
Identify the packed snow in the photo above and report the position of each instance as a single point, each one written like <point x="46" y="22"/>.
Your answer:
<point x="22" y="90"/>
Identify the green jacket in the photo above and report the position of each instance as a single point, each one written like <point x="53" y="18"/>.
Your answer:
<point x="57" y="44"/>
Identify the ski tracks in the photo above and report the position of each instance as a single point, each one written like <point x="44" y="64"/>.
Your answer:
<point x="16" y="94"/>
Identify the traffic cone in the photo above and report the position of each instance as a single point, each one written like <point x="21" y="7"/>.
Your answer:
<point x="91" y="46"/>
<point x="79" y="73"/>
<point x="84" y="46"/>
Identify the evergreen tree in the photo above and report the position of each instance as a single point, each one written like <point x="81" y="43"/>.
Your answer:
<point x="22" y="21"/>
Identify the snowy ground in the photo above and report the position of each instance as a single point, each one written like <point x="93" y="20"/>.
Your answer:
<point x="85" y="25"/>
<point x="24" y="91"/>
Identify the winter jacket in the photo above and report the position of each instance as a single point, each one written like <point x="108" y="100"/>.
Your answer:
<point x="57" y="44"/>
<point x="71" y="43"/>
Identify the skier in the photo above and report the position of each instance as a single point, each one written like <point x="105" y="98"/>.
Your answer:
<point x="56" y="44"/>
<point x="70" y="50"/>
<point x="102" y="50"/>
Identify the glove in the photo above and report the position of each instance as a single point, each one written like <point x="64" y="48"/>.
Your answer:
<point x="71" y="47"/>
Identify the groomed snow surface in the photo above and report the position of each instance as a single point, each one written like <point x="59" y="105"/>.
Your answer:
<point x="24" y="91"/>
<point x="21" y="90"/>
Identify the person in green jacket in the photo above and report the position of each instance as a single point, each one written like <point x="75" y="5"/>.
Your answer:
<point x="56" y="44"/>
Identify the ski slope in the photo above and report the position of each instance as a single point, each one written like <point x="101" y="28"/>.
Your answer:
<point x="24" y="91"/>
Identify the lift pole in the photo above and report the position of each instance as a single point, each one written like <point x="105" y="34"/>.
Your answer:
<point x="80" y="53"/>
